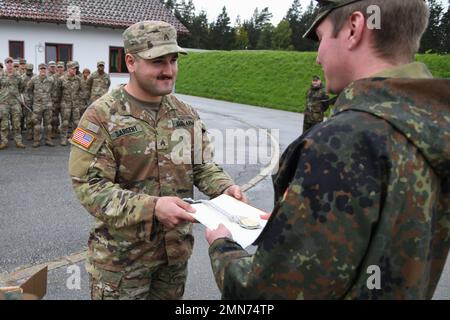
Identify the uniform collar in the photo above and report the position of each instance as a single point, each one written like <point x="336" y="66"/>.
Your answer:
<point x="415" y="70"/>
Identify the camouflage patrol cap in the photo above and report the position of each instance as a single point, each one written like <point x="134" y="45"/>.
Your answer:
<point x="72" y="64"/>
<point x="29" y="66"/>
<point x="16" y="63"/>
<point x="52" y="64"/>
<point x="22" y="61"/>
<point x="151" y="39"/>
<point x="42" y="66"/>
<point x="316" y="78"/>
<point x="101" y="63"/>
<point x="325" y="7"/>
<point x="60" y="64"/>
<point x="7" y="59"/>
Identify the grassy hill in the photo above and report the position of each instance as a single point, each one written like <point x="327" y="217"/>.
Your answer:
<point x="273" y="79"/>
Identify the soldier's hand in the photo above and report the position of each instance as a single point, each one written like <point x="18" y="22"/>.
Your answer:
<point x="220" y="232"/>
<point x="236" y="192"/>
<point x="171" y="211"/>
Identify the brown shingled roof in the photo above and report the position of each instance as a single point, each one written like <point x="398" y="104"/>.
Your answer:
<point x="102" y="13"/>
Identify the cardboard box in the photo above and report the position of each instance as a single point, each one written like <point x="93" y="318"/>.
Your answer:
<point x="35" y="288"/>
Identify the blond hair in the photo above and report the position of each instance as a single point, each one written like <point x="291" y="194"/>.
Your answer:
<point x="403" y="23"/>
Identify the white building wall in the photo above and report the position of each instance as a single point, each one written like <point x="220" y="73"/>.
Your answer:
<point x="89" y="45"/>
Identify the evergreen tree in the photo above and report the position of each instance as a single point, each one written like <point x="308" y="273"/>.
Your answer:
<point x="265" y="37"/>
<point x="431" y="40"/>
<point x="445" y="29"/>
<point x="222" y="35"/>
<point x="294" y="15"/>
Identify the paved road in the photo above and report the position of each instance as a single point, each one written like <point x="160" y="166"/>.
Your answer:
<point x="40" y="219"/>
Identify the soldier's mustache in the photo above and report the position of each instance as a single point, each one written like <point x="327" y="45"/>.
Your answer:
<point x="164" y="78"/>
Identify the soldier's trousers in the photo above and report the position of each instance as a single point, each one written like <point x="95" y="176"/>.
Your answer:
<point x="15" y="112"/>
<point x="38" y="115"/>
<point x="160" y="283"/>
<point x="28" y="119"/>
<point x="56" y="111"/>
<point x="67" y="113"/>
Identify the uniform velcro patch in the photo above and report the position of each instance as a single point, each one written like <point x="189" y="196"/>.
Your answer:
<point x="83" y="138"/>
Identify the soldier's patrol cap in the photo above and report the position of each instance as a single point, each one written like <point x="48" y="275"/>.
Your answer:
<point x="316" y="78"/>
<point x="9" y="59"/>
<point x="151" y="39"/>
<point x="77" y="65"/>
<point x="325" y="8"/>
<point x="72" y="64"/>
<point x="29" y="66"/>
<point x="22" y="61"/>
<point x="16" y="63"/>
<point x="43" y="66"/>
<point x="60" y="64"/>
<point x="52" y="64"/>
<point x="101" y="63"/>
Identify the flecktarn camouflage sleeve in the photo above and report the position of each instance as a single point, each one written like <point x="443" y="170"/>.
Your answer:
<point x="319" y="233"/>
<point x="93" y="171"/>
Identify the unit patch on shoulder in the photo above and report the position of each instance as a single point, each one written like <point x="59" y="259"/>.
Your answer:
<point x="83" y="138"/>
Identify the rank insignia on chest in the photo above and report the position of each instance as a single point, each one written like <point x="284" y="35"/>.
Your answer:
<point x="83" y="138"/>
<point x="163" y="143"/>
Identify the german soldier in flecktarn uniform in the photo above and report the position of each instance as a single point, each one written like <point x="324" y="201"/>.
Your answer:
<point x="317" y="102"/>
<point x="362" y="201"/>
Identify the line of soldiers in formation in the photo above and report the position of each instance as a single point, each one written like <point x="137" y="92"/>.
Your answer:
<point x="56" y="97"/>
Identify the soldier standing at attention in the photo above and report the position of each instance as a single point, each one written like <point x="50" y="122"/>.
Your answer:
<point x="362" y="200"/>
<point x="85" y="91"/>
<point x="125" y="173"/>
<point x="56" y="97"/>
<point x="40" y="88"/>
<point x="316" y="104"/>
<point x="70" y="100"/>
<point x="22" y="66"/>
<point x="60" y="68"/>
<point x="27" y="114"/>
<point x="11" y="84"/>
<point x="98" y="83"/>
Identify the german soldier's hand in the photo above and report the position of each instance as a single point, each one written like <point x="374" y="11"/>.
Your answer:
<point x="220" y="232"/>
<point x="171" y="211"/>
<point x="236" y="192"/>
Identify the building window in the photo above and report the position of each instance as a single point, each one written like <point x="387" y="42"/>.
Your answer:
<point x="117" y="60"/>
<point x="58" y="52"/>
<point x="16" y="49"/>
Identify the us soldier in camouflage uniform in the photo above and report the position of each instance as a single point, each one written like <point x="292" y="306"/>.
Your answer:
<point x="22" y="66"/>
<point x="316" y="104"/>
<point x="84" y="90"/>
<point x="369" y="189"/>
<point x="60" y="68"/>
<point x="26" y="107"/>
<point x="126" y="173"/>
<point x="98" y="83"/>
<point x="70" y="100"/>
<point x="11" y="84"/>
<point x="56" y="98"/>
<point x="40" y="89"/>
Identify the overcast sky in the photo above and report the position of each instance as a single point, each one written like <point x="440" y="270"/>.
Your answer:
<point x="245" y="8"/>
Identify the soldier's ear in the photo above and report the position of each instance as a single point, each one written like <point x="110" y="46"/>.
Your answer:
<point x="131" y="61"/>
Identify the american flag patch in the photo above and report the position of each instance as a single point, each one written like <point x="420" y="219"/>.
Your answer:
<point x="82" y="138"/>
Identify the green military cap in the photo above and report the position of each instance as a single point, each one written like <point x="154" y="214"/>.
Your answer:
<point x="151" y="39"/>
<point x="60" y="64"/>
<point x="316" y="78"/>
<point x="29" y="66"/>
<point x="9" y="59"/>
<point x="101" y="63"/>
<point x="325" y="7"/>
<point x="22" y="61"/>
<point x="72" y="64"/>
<point x="43" y="66"/>
<point x="52" y="63"/>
